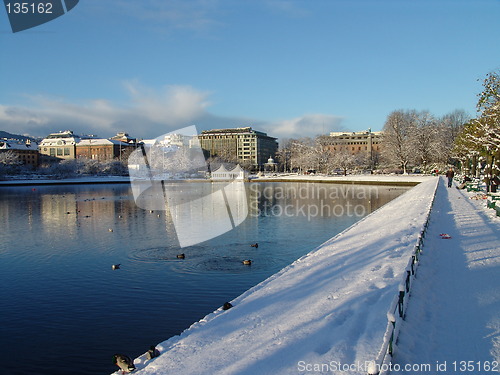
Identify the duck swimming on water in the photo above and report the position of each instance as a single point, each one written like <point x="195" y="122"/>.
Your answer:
<point x="256" y="245"/>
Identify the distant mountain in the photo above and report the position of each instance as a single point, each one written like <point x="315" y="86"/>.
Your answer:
<point x="4" y="134"/>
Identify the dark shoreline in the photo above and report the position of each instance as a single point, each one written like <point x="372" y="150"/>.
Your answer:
<point x="85" y="181"/>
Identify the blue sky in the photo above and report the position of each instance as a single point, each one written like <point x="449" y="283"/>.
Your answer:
<point x="291" y="68"/>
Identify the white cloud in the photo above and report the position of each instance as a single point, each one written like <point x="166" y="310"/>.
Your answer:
<point x="309" y="125"/>
<point x="198" y="16"/>
<point x="170" y="105"/>
<point x="149" y="113"/>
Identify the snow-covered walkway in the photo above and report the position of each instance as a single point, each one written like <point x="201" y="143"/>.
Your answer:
<point x="327" y="312"/>
<point x="453" y="318"/>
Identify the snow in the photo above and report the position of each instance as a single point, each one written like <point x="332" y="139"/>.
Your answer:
<point x="328" y="312"/>
<point x="454" y="311"/>
<point x="360" y="178"/>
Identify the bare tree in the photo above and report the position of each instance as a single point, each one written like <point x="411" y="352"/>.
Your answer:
<point x="398" y="147"/>
<point x="284" y="154"/>
<point x="301" y="154"/>
<point x="343" y="159"/>
<point x="449" y="128"/>
<point x="425" y="139"/>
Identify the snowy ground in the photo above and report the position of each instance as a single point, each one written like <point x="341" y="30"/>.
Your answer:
<point x="453" y="318"/>
<point x="394" y="178"/>
<point x="327" y="312"/>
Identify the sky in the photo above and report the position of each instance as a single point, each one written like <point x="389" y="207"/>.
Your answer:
<point x="289" y="68"/>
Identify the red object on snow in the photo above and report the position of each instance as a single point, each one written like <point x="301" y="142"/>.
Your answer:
<point x="445" y="236"/>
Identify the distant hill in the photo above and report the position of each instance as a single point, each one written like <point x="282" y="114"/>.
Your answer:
<point x="4" y="134"/>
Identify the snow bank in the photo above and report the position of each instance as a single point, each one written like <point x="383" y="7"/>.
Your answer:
<point x="355" y="178"/>
<point x="326" y="312"/>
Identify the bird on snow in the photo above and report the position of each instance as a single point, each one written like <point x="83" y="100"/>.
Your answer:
<point x="152" y="352"/>
<point x="124" y="363"/>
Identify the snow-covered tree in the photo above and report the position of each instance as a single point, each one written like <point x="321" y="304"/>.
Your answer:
<point x="344" y="159"/>
<point x="398" y="146"/>
<point x="301" y="154"/>
<point x="9" y="158"/>
<point x="481" y="136"/>
<point x="425" y="139"/>
<point x="449" y="128"/>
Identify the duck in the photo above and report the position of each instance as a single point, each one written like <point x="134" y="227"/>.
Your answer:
<point x="110" y="229"/>
<point x="115" y="266"/>
<point x="152" y="352"/>
<point x="226" y="306"/>
<point x="256" y="245"/>
<point x="181" y="256"/>
<point x="247" y="262"/>
<point x="124" y="363"/>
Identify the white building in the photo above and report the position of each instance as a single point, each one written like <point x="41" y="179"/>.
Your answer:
<point x="222" y="173"/>
<point x="60" y="145"/>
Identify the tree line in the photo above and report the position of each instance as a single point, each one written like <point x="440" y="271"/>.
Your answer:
<point x="410" y="139"/>
<point x="415" y="141"/>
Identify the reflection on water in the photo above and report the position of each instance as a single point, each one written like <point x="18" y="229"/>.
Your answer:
<point x="64" y="305"/>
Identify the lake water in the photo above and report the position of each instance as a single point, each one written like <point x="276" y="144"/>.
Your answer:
<point x="64" y="310"/>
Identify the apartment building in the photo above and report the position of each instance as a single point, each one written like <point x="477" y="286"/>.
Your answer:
<point x="243" y="145"/>
<point x="366" y="143"/>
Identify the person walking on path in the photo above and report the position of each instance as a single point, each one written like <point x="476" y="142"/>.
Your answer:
<point x="450" y="174"/>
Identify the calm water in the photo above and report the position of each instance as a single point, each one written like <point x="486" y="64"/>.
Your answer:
<point x="64" y="310"/>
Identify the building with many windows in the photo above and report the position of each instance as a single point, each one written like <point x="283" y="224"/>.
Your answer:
<point x="60" y="145"/>
<point x="25" y="152"/>
<point x="365" y="143"/>
<point x="103" y="150"/>
<point x="241" y="145"/>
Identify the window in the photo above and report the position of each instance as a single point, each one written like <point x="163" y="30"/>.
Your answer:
<point x="66" y="151"/>
<point x="59" y="152"/>
<point x="52" y="151"/>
